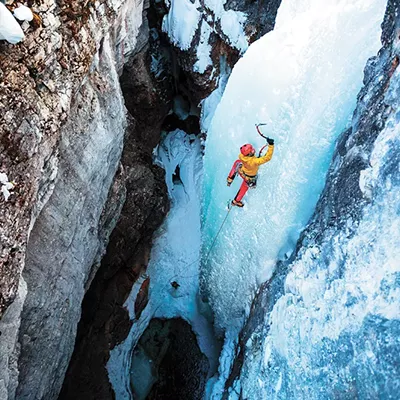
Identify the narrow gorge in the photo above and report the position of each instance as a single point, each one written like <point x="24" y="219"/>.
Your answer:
<point x="122" y="273"/>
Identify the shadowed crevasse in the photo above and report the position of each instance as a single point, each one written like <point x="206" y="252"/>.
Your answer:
<point x="151" y="93"/>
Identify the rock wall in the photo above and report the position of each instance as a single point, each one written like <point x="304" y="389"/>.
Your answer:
<point x="65" y="239"/>
<point x="40" y="79"/>
<point x="61" y="138"/>
<point x="105" y="321"/>
<point x="323" y="362"/>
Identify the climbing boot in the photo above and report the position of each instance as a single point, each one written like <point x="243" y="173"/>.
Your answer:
<point x="237" y="203"/>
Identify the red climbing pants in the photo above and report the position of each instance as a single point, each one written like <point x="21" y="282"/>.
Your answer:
<point x="244" y="187"/>
<point x="248" y="181"/>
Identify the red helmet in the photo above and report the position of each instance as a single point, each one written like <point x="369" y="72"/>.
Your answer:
<point x="247" y="150"/>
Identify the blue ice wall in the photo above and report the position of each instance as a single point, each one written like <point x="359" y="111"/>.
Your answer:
<point x="302" y="79"/>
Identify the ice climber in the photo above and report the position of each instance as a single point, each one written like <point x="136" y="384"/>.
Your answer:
<point x="247" y="167"/>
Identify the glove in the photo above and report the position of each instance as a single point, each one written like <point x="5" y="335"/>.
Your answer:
<point x="270" y="141"/>
<point x="229" y="181"/>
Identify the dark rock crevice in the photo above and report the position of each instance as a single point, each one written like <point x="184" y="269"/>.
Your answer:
<point x="105" y="322"/>
<point x="167" y="363"/>
<point x="151" y="93"/>
<point x="162" y="93"/>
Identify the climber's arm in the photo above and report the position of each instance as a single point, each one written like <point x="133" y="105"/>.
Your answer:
<point x="267" y="157"/>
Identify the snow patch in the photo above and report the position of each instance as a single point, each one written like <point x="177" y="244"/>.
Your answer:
<point x="6" y="186"/>
<point x="203" y="49"/>
<point x="10" y="29"/>
<point x="181" y="22"/>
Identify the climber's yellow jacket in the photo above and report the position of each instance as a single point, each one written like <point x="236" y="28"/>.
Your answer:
<point x="251" y="164"/>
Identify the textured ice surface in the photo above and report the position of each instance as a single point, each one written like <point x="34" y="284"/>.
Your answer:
<point x="181" y="22"/>
<point x="302" y="79"/>
<point x="175" y="257"/>
<point x="335" y="333"/>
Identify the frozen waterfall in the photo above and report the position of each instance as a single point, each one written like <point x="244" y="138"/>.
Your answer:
<point x="302" y="79"/>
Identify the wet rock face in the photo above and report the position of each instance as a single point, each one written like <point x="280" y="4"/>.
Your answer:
<point x="336" y="219"/>
<point x="261" y="15"/>
<point x="167" y="363"/>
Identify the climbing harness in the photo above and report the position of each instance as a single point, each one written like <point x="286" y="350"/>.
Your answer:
<point x="251" y="181"/>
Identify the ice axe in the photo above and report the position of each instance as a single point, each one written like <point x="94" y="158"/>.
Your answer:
<point x="258" y="130"/>
<point x="263" y="136"/>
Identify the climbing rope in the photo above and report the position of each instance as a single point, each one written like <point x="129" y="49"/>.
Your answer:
<point x="216" y="236"/>
<point x="209" y="251"/>
<point x="227" y="214"/>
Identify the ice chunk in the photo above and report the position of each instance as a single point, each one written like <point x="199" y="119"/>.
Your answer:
<point x="3" y="178"/>
<point x="9" y="27"/>
<point x="181" y="22"/>
<point x="23" y="13"/>
<point x="6" y="186"/>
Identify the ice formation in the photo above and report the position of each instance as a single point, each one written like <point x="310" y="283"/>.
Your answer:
<point x="9" y="27"/>
<point x="302" y="79"/>
<point x="175" y="257"/>
<point x="335" y="330"/>
<point x="231" y="23"/>
<point x="203" y="49"/>
<point x="181" y="22"/>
